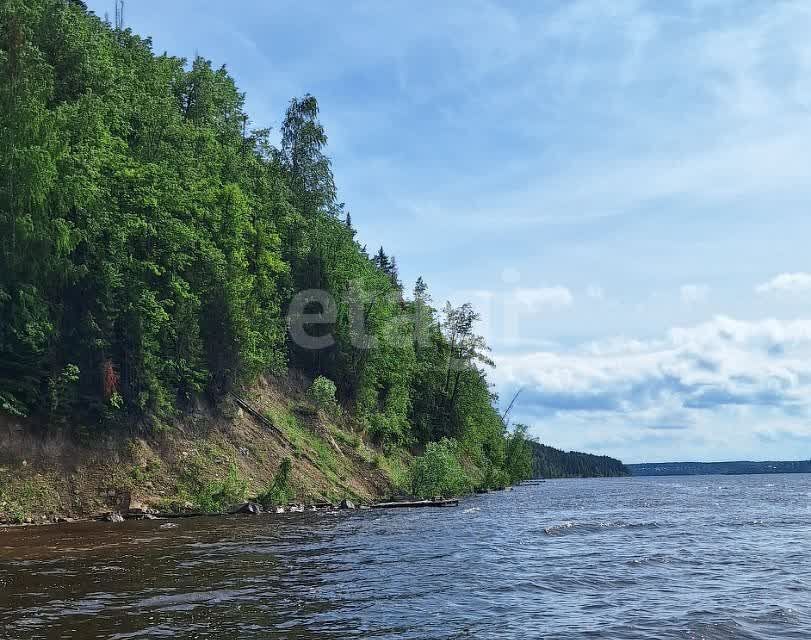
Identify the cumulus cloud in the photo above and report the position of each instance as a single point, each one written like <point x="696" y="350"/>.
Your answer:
<point x="693" y="293"/>
<point x="786" y="283"/>
<point x="667" y="383"/>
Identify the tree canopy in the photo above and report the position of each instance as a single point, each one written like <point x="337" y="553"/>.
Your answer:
<point x="548" y="462"/>
<point x="153" y="244"/>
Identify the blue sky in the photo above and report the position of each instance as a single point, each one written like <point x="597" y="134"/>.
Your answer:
<point x="621" y="187"/>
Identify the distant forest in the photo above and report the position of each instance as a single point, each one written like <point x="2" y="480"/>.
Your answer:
<point x="718" y="468"/>
<point x="548" y="462"/>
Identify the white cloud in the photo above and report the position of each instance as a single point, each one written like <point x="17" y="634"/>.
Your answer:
<point x="716" y="365"/>
<point x="595" y="292"/>
<point x="786" y="283"/>
<point x="536" y="299"/>
<point x="693" y="293"/>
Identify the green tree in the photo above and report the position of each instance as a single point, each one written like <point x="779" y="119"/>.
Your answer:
<point x="438" y="472"/>
<point x="518" y="455"/>
<point x="152" y="243"/>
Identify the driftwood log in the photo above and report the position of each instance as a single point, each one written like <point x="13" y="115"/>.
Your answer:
<point x="401" y="504"/>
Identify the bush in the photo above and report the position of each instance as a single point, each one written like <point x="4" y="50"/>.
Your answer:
<point x="279" y="492"/>
<point x="438" y="472"/>
<point x="388" y="431"/>
<point x="494" y="477"/>
<point x="381" y="431"/>
<point x="217" y="496"/>
<point x="322" y="393"/>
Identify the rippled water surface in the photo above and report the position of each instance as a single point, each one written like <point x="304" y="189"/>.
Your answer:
<point x="696" y="557"/>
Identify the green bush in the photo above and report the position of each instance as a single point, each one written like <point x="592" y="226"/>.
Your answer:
<point x="279" y="492"/>
<point x="389" y="431"/>
<point x="322" y="393"/>
<point x="438" y="472"/>
<point x="381" y="431"/>
<point x="216" y="496"/>
<point x="494" y="477"/>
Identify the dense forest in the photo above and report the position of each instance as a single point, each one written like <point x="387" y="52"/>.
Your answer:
<point x="741" y="467"/>
<point x="548" y="462"/>
<point x="155" y="249"/>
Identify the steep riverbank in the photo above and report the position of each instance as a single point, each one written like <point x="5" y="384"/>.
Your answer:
<point x="229" y="453"/>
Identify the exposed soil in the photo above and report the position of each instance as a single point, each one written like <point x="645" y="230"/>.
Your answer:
<point x="54" y="476"/>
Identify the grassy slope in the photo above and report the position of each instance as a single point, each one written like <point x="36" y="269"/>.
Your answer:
<point x="55" y="477"/>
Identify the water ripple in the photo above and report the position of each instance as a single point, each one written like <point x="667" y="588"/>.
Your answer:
<point x="698" y="558"/>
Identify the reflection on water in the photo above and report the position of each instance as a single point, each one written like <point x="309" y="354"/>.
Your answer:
<point x="698" y="557"/>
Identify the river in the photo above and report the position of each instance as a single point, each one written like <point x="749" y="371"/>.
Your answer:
<point x="710" y="557"/>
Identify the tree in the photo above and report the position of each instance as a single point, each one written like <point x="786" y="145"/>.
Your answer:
<point x="151" y="244"/>
<point x="466" y="350"/>
<point x="31" y="243"/>
<point x="438" y="473"/>
<point x="302" y="154"/>
<point x="518" y="455"/>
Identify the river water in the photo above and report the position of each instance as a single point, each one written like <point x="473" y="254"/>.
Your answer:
<point x="694" y="557"/>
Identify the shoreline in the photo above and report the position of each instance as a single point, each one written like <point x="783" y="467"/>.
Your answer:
<point x="248" y="510"/>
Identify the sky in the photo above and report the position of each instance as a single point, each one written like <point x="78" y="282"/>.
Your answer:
<point x="620" y="187"/>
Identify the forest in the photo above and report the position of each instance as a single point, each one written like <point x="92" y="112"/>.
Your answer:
<point x="740" y="467"/>
<point x="156" y="249"/>
<point x="548" y="462"/>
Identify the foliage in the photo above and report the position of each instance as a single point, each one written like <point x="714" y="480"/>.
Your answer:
<point x="152" y="243"/>
<point x="140" y="226"/>
<point x="279" y="492"/>
<point x="22" y="499"/>
<point x="62" y="393"/>
<point x="322" y="393"/>
<point x="548" y="462"/>
<point x="215" y="496"/>
<point x="438" y="471"/>
<point x="494" y="477"/>
<point x="518" y="455"/>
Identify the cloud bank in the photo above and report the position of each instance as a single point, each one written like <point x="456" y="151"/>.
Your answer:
<point x="721" y="363"/>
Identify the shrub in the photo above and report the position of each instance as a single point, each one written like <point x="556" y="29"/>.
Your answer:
<point x="279" y="492"/>
<point x="494" y="477"/>
<point x="380" y="430"/>
<point x="216" y="496"/>
<point x="322" y="393"/>
<point x="387" y="431"/>
<point x="438" y="472"/>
